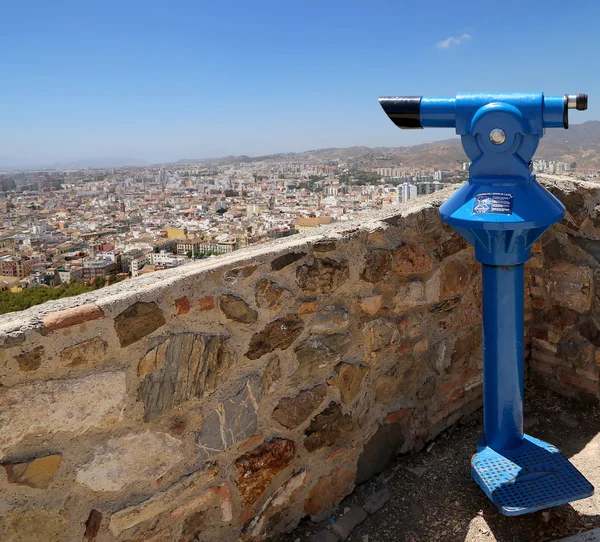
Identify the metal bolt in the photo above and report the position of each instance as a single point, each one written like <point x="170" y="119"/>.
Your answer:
<point x="497" y="136"/>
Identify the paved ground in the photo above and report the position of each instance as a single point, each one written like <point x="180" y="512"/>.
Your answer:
<point x="589" y="536"/>
<point x="435" y="499"/>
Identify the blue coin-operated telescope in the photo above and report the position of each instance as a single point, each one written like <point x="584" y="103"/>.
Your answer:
<point x="502" y="210"/>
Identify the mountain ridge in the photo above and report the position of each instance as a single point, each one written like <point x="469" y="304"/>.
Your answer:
<point x="580" y="144"/>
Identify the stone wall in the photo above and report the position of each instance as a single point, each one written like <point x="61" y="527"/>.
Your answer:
<point x="228" y="399"/>
<point x="565" y="295"/>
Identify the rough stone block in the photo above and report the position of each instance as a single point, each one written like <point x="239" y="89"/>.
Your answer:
<point x="232" y="421"/>
<point x="30" y="361"/>
<point x="410" y="295"/>
<point x="380" y="451"/>
<point x="36" y="473"/>
<point x="268" y="521"/>
<point x="328" y="428"/>
<point x="308" y="307"/>
<point x="270" y="295"/>
<point x="187" y="492"/>
<point x="137" y="321"/>
<point x="84" y="352"/>
<point x="467" y="350"/>
<point x="410" y="259"/>
<point x="272" y="373"/>
<point x="207" y="303"/>
<point x="403" y="379"/>
<point x="323" y="275"/>
<point x="11" y="339"/>
<point x="280" y="333"/>
<point x="455" y="243"/>
<point x="379" y="334"/>
<point x="324" y="536"/>
<point x="92" y="525"/>
<point x="469" y="311"/>
<point x="455" y="276"/>
<point x="324" y="246"/>
<point x="349" y="380"/>
<point x="133" y="458"/>
<point x="287" y="259"/>
<point x="561" y="318"/>
<point x="370" y="305"/>
<point x="328" y="491"/>
<point x="351" y="519"/>
<point x="421" y="347"/>
<point x="237" y="309"/>
<point x="589" y="330"/>
<point x="34" y="524"/>
<point x="398" y="415"/>
<point x="71" y="317"/>
<point x="377" y="500"/>
<point x="197" y="525"/>
<point x="378" y="264"/>
<point x="576" y="351"/>
<point x="232" y="276"/>
<point x="292" y="411"/>
<point x="73" y="405"/>
<point x="316" y="352"/>
<point x="182" y="367"/>
<point x="330" y="320"/>
<point x="257" y="468"/>
<point x="182" y="305"/>
<point x="570" y="286"/>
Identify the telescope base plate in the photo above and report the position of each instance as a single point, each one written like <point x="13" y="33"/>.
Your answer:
<point x="531" y="477"/>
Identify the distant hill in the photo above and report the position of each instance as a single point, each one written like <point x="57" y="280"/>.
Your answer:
<point x="580" y="144"/>
<point x="100" y="163"/>
<point x="93" y="163"/>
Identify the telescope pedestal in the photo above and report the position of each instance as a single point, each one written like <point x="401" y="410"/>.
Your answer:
<point x="530" y="477"/>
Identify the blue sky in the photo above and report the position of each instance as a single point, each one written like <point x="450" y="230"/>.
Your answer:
<point x="164" y="80"/>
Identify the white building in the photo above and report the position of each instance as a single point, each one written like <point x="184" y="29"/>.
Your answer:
<point x="406" y="192"/>
<point x="39" y="229"/>
<point x="166" y="258"/>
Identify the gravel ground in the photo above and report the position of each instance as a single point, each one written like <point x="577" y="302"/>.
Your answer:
<point x="435" y="499"/>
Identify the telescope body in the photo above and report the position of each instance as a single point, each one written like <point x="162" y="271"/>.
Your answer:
<point x="502" y="210"/>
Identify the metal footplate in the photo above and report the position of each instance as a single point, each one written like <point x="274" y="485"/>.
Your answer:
<point x="531" y="477"/>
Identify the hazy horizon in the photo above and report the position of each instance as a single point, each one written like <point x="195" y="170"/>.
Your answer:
<point x="418" y="137"/>
<point x="9" y="162"/>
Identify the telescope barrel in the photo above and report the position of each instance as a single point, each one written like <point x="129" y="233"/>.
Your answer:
<point x="410" y="112"/>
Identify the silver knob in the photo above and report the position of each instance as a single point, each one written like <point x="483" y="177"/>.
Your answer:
<point x="497" y="136"/>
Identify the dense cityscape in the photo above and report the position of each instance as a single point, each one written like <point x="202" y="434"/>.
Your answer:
<point x="64" y="232"/>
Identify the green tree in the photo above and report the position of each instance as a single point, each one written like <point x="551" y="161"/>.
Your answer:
<point x="18" y="301"/>
<point x="99" y="282"/>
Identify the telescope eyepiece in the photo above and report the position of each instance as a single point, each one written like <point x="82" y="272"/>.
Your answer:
<point x="403" y="111"/>
<point x="577" y="101"/>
